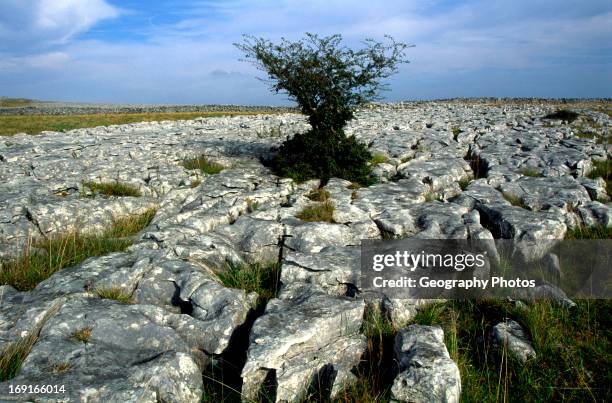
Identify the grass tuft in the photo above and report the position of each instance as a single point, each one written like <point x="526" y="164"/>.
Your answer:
<point x="61" y="367"/>
<point x="515" y="200"/>
<point x="12" y="356"/>
<point x="378" y="158"/>
<point x="463" y="183"/>
<point x="456" y="131"/>
<point x="318" y="212"/>
<point x="112" y="189"/>
<point x="203" y="164"/>
<point x="44" y="257"/>
<point x="319" y="195"/>
<point x="534" y="173"/>
<point x="115" y="293"/>
<point x="82" y="335"/>
<point x="603" y="169"/>
<point x="262" y="279"/>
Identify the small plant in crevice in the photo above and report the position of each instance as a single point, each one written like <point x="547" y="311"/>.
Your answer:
<point x="432" y="196"/>
<point x="354" y="186"/>
<point x="114" y="293"/>
<point x="116" y="189"/>
<point x="464" y="183"/>
<point x="203" y="163"/>
<point x="378" y="158"/>
<point x="456" y="131"/>
<point x="60" y="367"/>
<point x="195" y="183"/>
<point x="515" y="200"/>
<point x="377" y="369"/>
<point x="323" y="212"/>
<point x="82" y="335"/>
<point x="41" y="258"/>
<point x="264" y="279"/>
<point x="252" y="205"/>
<point x="531" y="172"/>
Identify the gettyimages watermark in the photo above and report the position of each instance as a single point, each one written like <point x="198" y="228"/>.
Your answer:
<point x="446" y="268"/>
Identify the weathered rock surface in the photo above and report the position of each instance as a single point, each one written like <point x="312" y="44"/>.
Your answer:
<point x="427" y="374"/>
<point x="506" y="173"/>
<point x="302" y="335"/>
<point x="509" y="334"/>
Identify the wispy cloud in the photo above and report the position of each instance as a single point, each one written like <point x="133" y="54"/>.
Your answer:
<point x="26" y="26"/>
<point x="141" y="51"/>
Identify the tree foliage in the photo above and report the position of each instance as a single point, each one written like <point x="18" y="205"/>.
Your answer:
<point x="328" y="81"/>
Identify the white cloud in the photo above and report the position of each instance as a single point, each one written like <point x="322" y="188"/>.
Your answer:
<point x="33" y="24"/>
<point x="191" y="59"/>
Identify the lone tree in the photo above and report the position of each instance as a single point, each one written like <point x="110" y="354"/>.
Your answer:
<point x="328" y="81"/>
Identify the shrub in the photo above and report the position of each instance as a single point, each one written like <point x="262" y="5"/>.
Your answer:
<point x="311" y="155"/>
<point x="563" y="114"/>
<point x="328" y="81"/>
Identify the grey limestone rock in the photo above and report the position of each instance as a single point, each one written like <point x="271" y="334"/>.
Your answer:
<point x="427" y="374"/>
<point x="509" y="334"/>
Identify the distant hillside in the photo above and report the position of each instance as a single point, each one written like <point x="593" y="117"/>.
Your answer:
<point x="6" y="102"/>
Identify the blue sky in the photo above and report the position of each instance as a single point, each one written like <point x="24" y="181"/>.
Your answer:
<point x="173" y="51"/>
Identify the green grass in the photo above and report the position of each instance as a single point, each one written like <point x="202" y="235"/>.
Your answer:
<point x="82" y="335"/>
<point x="203" y="164"/>
<point x="582" y="232"/>
<point x="14" y="102"/>
<point x="221" y="379"/>
<point x="375" y="374"/>
<point x="463" y="183"/>
<point x="112" y="189"/>
<point x="515" y="200"/>
<point x="456" y="131"/>
<point x="319" y="195"/>
<point x="60" y="367"/>
<point x="603" y="169"/>
<point x="572" y="346"/>
<point x="34" y="124"/>
<point x="44" y="257"/>
<point x="259" y="278"/>
<point x="114" y="293"/>
<point x="12" y="356"/>
<point x="431" y="196"/>
<point x="532" y="172"/>
<point x="378" y="158"/>
<point x="318" y="212"/>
